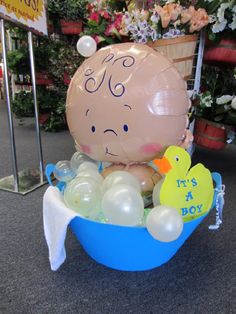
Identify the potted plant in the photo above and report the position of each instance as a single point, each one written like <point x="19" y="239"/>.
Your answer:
<point x="63" y="62"/>
<point x="216" y="108"/>
<point x="72" y="14"/>
<point x="23" y="104"/>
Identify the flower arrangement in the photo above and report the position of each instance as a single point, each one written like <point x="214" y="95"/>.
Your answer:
<point x="163" y="21"/>
<point x="103" y="23"/>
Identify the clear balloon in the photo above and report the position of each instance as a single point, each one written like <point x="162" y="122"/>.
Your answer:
<point x="164" y="223"/>
<point x="91" y="173"/>
<point x="78" y="159"/>
<point x="98" y="216"/>
<point x="63" y="171"/>
<point x="123" y="205"/>
<point x="87" y="165"/>
<point x="156" y="193"/>
<point x="83" y="195"/>
<point x="86" y="46"/>
<point x="120" y="177"/>
<point x="146" y="212"/>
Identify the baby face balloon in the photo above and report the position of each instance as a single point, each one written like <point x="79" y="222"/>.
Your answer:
<point x="126" y="104"/>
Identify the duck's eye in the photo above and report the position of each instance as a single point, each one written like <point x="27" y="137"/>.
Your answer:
<point x="125" y="127"/>
<point x="176" y="158"/>
<point x="93" y="129"/>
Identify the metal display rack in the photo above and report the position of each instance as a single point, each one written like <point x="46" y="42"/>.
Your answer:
<point x="27" y="180"/>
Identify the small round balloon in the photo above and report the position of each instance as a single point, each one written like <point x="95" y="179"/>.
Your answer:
<point x="123" y="205"/>
<point x="120" y="177"/>
<point x="83" y="195"/>
<point x="156" y="193"/>
<point x="63" y="171"/>
<point x="87" y="165"/>
<point x="78" y="159"/>
<point x="86" y="46"/>
<point x="91" y="173"/>
<point x="164" y="223"/>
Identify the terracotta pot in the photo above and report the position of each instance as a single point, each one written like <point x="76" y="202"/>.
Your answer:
<point x="42" y="78"/>
<point x="210" y="134"/>
<point x="71" y="27"/>
<point x="223" y="51"/>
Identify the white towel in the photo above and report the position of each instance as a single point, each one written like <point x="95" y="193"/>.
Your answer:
<point x="56" y="217"/>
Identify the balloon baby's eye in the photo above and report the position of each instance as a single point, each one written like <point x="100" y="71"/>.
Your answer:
<point x="176" y="158"/>
<point x="125" y="127"/>
<point x="93" y="129"/>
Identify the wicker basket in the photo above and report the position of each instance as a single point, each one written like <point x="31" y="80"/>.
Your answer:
<point x="180" y="50"/>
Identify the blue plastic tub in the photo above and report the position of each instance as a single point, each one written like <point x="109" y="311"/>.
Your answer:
<point x="130" y="248"/>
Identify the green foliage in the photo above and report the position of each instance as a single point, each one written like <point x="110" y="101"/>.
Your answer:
<point x="217" y="82"/>
<point x="117" y="5"/>
<point x="23" y="105"/>
<point x="49" y="101"/>
<point x="70" y="10"/>
<point x="18" y="61"/>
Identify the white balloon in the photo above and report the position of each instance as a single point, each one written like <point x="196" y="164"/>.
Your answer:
<point x="83" y="195"/>
<point x="63" y="171"/>
<point x="123" y="205"/>
<point x="87" y="165"/>
<point x="91" y="173"/>
<point x="164" y="223"/>
<point x="86" y="46"/>
<point x="78" y="159"/>
<point x="156" y="193"/>
<point x="120" y="177"/>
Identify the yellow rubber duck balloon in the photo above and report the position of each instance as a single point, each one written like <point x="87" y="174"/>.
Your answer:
<point x="190" y="190"/>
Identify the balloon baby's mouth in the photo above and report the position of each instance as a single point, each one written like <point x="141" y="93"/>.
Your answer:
<point x="108" y="153"/>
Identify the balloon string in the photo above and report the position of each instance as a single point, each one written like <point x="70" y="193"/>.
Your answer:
<point x="219" y="207"/>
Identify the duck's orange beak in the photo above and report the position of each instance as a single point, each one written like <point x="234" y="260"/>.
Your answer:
<point x="163" y="165"/>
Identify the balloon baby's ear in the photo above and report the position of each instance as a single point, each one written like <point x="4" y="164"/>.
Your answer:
<point x="187" y="139"/>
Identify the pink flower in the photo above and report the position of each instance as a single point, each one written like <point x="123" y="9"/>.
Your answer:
<point x="98" y="39"/>
<point x="118" y="20"/>
<point x="187" y="14"/>
<point x="106" y="15"/>
<point x="110" y="30"/>
<point x="199" y="20"/>
<point x="94" y="16"/>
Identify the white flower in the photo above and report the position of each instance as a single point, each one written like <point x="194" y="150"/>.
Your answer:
<point x="221" y="11"/>
<point x="223" y="99"/>
<point x="212" y="18"/>
<point x="206" y="100"/>
<point x="155" y="18"/>
<point x="232" y="25"/>
<point x="233" y="103"/>
<point x="219" y="26"/>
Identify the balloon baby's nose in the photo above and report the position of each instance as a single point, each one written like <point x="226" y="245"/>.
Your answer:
<point x="110" y="130"/>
